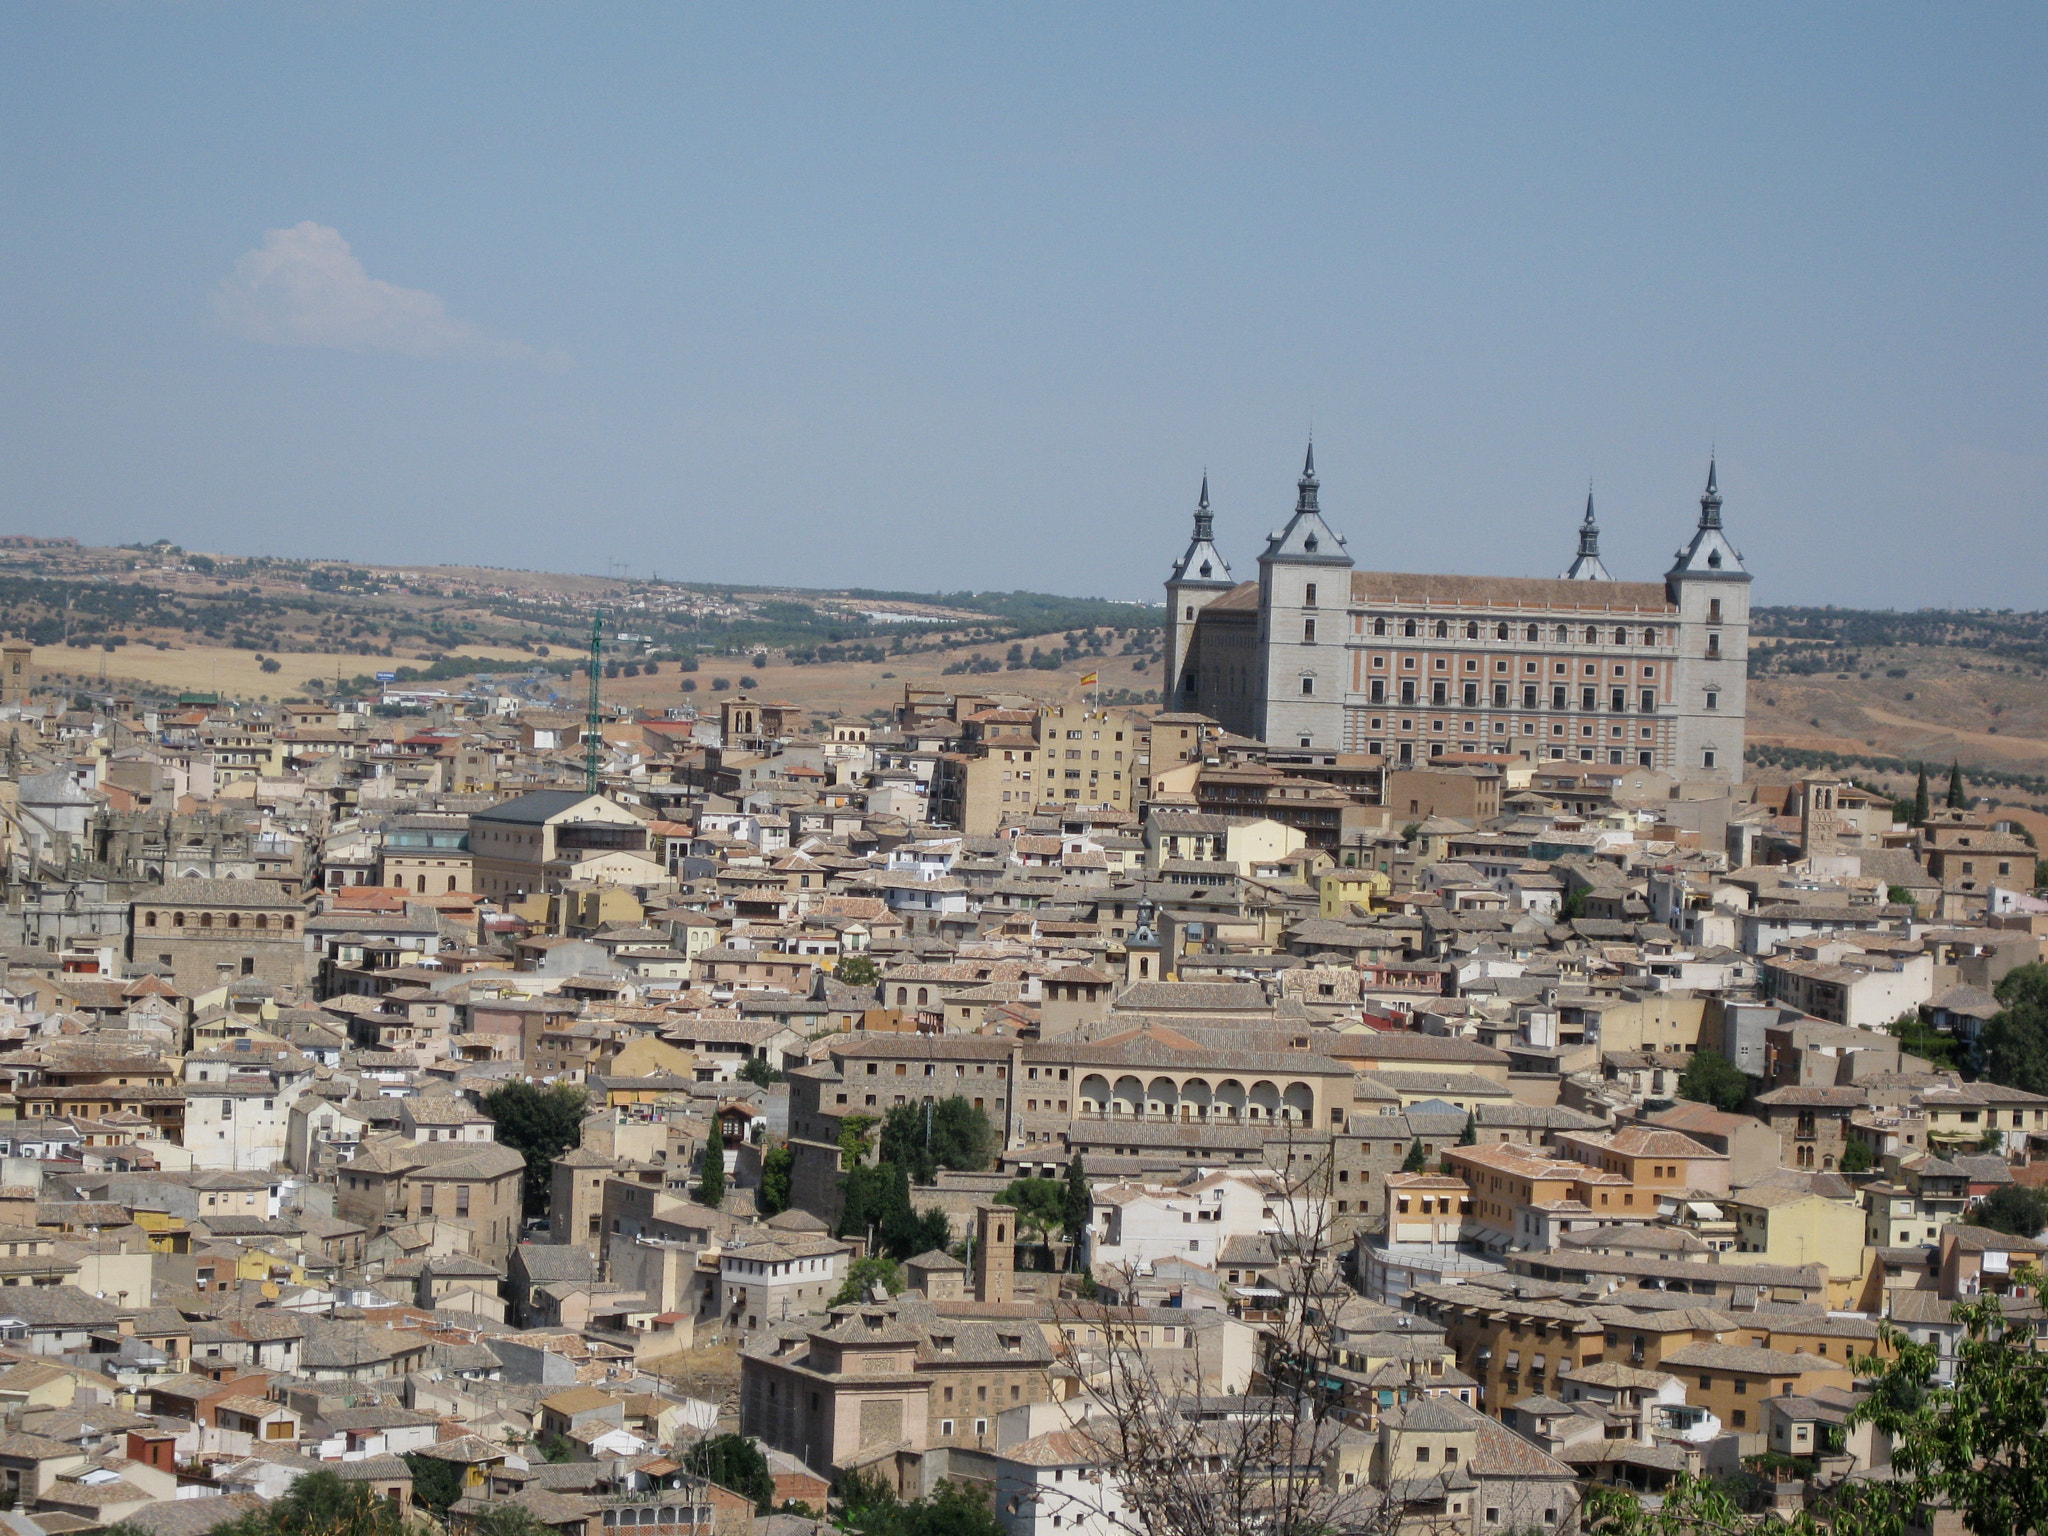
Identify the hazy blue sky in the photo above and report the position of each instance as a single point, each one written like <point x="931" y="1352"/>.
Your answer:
<point x="969" y="296"/>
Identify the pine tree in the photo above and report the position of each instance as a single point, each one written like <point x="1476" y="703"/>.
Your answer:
<point x="1957" y="801"/>
<point x="1921" y="804"/>
<point x="1416" y="1160"/>
<point x="711" y="1183"/>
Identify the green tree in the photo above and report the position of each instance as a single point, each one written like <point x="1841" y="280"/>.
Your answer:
<point x="1957" y="800"/>
<point x="540" y="1124"/>
<point x="756" y="1070"/>
<point x="556" y="1449"/>
<point x="952" y="1133"/>
<point x="2015" y="1039"/>
<point x="1711" y="1078"/>
<point x="2012" y="1208"/>
<point x="1917" y="1037"/>
<point x="711" y="1177"/>
<point x="1041" y="1205"/>
<point x="906" y="1234"/>
<point x="872" y="1269"/>
<point x="856" y="971"/>
<point x="1978" y="1447"/>
<point x="735" y="1462"/>
<point x="1469" y="1137"/>
<point x="1573" y="907"/>
<point x="1856" y="1157"/>
<point x="1416" y="1160"/>
<point x="435" y="1484"/>
<point x="870" y="1507"/>
<point x="1077" y="1206"/>
<point x="321" y="1504"/>
<point x="776" y="1163"/>
<point x="1921" y="804"/>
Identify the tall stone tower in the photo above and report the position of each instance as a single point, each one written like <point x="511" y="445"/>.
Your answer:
<point x="995" y="1252"/>
<point x="1304" y="595"/>
<point x="1710" y="588"/>
<point x="17" y="659"/>
<point x="1200" y="576"/>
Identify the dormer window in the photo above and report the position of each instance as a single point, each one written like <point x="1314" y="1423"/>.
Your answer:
<point x="1309" y="544"/>
<point x="873" y="1320"/>
<point x="1714" y="560"/>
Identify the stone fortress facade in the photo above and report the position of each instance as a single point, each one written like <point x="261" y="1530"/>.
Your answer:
<point x="1317" y="656"/>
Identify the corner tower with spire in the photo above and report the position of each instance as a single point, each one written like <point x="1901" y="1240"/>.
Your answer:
<point x="1200" y="576"/>
<point x="1709" y="585"/>
<point x="1587" y="566"/>
<point x="1304" y="598"/>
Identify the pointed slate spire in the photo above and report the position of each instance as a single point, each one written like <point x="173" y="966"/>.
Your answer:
<point x="1710" y="501"/>
<point x="1203" y="563"/>
<point x="1307" y="485"/>
<point x="1587" y="567"/>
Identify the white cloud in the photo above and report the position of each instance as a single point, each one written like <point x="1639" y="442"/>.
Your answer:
<point x="304" y="287"/>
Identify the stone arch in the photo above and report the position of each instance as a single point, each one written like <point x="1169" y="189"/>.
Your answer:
<point x="1094" y="1094"/>
<point x="1162" y="1097"/>
<point x="1195" y="1099"/>
<point x="1443" y="629"/>
<point x="206" y="919"/>
<point x="1471" y="629"/>
<point x="234" y="920"/>
<point x="1264" y="1101"/>
<point x="1408" y="628"/>
<point x="177" y="919"/>
<point x="1229" y="1100"/>
<point x="1592" y="635"/>
<point x="1128" y="1097"/>
<point x="1299" y="1101"/>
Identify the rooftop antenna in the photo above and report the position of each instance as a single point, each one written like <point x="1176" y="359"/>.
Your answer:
<point x="592" y="731"/>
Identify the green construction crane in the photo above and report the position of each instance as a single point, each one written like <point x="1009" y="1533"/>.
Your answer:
<point x="593" y="725"/>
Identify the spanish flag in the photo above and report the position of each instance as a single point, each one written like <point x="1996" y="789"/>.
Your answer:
<point x="1088" y="681"/>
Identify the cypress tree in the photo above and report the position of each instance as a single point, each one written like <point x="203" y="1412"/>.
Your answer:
<point x="1469" y="1137"/>
<point x="1921" y="804"/>
<point x="1076" y="1202"/>
<point x="711" y="1183"/>
<point x="1957" y="801"/>
<point x="1416" y="1160"/>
